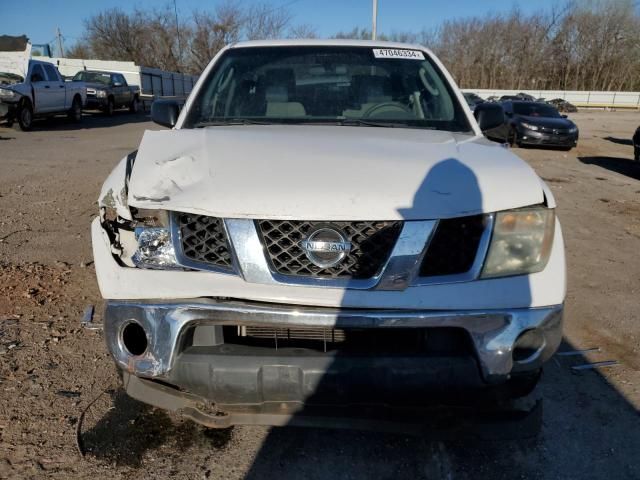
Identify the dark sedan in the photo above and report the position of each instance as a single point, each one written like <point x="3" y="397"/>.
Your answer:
<point x="534" y="123"/>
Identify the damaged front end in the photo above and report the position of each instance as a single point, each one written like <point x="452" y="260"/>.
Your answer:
<point x="138" y="237"/>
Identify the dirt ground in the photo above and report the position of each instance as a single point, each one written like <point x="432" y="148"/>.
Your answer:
<point x="51" y="370"/>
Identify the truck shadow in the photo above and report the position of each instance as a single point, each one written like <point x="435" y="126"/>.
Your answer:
<point x="623" y="166"/>
<point x="590" y="430"/>
<point x="129" y="429"/>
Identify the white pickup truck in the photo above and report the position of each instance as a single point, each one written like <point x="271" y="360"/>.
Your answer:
<point x="326" y="236"/>
<point x="37" y="90"/>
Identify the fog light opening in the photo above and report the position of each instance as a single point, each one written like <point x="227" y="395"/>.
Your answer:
<point x="134" y="339"/>
<point x="528" y="346"/>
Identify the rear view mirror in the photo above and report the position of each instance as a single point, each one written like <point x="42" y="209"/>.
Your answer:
<point x="165" y="112"/>
<point x="489" y="115"/>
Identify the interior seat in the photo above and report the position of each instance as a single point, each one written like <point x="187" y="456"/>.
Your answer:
<point x="280" y="84"/>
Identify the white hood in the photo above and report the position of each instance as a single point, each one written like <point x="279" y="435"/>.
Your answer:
<point x="328" y="173"/>
<point x="15" y="62"/>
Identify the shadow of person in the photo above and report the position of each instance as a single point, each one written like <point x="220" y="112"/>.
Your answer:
<point x="391" y="379"/>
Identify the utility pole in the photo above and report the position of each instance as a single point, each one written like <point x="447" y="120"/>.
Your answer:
<point x="60" y="46"/>
<point x="175" y="9"/>
<point x="374" y="20"/>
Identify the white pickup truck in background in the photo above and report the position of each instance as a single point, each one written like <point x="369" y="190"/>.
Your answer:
<point x="36" y="89"/>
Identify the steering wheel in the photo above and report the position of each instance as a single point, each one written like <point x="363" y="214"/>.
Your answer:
<point x="387" y="107"/>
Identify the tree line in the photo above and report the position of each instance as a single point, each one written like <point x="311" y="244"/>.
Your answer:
<point x="577" y="45"/>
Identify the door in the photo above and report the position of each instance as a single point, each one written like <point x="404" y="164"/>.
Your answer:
<point x="41" y="89"/>
<point x="57" y="90"/>
<point x="120" y="90"/>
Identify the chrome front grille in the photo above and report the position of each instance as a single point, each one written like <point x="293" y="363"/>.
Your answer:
<point x="371" y="241"/>
<point x="204" y="240"/>
<point x="271" y="251"/>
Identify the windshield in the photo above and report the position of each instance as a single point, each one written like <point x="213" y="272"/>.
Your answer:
<point x="333" y="85"/>
<point x="535" y="110"/>
<point x="10" y="78"/>
<point x="93" y="77"/>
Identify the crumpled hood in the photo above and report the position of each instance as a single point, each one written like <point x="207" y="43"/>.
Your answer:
<point x="15" y="62"/>
<point x="328" y="173"/>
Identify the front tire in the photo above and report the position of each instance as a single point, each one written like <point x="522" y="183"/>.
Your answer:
<point x="25" y="116"/>
<point x="110" y="108"/>
<point x="75" y="113"/>
<point x="636" y="154"/>
<point x="135" y="105"/>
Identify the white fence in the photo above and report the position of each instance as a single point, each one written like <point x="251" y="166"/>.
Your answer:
<point x="579" y="99"/>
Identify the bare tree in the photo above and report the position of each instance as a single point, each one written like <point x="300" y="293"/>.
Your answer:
<point x="263" y="21"/>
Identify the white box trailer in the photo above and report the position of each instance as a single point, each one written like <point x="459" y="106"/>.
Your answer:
<point x="153" y="82"/>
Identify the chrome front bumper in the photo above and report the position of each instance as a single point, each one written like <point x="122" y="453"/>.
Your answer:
<point x="493" y="332"/>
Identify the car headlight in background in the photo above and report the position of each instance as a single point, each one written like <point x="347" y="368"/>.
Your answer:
<point x="528" y="126"/>
<point x="7" y="94"/>
<point x="521" y="242"/>
<point x="573" y="129"/>
<point x="153" y="235"/>
<point x="101" y="93"/>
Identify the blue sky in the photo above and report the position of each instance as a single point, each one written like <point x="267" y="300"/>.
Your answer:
<point x="38" y="19"/>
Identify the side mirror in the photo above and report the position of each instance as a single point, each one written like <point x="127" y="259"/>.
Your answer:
<point x="565" y="116"/>
<point x="165" y="112"/>
<point x="489" y="116"/>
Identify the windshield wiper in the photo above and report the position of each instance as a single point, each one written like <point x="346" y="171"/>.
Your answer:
<point x="230" y="121"/>
<point x="358" y="122"/>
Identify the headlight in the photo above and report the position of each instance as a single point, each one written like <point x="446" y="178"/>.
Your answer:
<point x="528" y="126"/>
<point x="521" y="242"/>
<point x="101" y="93"/>
<point x="7" y="94"/>
<point x="573" y="129"/>
<point x="155" y="246"/>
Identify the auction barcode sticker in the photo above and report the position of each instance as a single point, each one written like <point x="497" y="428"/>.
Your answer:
<point x="397" y="53"/>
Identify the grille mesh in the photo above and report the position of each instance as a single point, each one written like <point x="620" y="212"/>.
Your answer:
<point x="372" y="243"/>
<point x="454" y="246"/>
<point x="204" y="240"/>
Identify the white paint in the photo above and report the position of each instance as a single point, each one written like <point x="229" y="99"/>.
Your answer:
<point x="537" y="290"/>
<point x="328" y="173"/>
<point x="15" y="62"/>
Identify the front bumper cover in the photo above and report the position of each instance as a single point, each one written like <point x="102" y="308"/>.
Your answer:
<point x="492" y="332"/>
<point x="531" y="137"/>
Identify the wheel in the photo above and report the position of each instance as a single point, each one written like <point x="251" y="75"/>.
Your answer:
<point x="110" y="107"/>
<point x="75" y="113"/>
<point x="135" y="105"/>
<point x="636" y="154"/>
<point x="25" y="116"/>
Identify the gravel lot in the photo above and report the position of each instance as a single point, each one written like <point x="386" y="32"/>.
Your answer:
<point x="51" y="370"/>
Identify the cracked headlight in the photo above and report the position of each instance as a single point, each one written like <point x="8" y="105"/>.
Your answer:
<point x="521" y="242"/>
<point x="153" y="235"/>
<point x="101" y="93"/>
